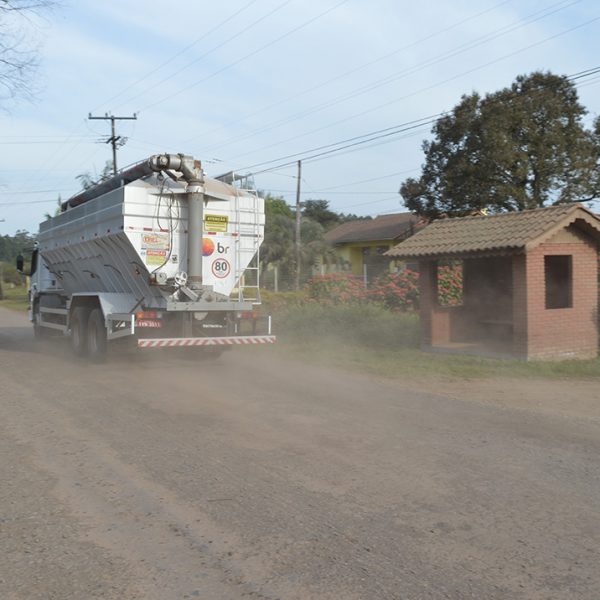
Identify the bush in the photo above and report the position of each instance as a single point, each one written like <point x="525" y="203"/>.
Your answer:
<point x="369" y="326"/>
<point x="336" y="288"/>
<point x="395" y="291"/>
<point x="10" y="275"/>
<point x="450" y="284"/>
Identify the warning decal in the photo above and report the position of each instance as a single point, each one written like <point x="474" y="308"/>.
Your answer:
<point x="155" y="241"/>
<point x="216" y="223"/>
<point x="156" y="257"/>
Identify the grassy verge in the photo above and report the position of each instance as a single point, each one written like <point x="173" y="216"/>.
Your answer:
<point x="373" y="340"/>
<point x="14" y="298"/>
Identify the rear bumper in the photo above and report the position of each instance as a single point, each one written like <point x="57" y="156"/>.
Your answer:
<point x="240" y="340"/>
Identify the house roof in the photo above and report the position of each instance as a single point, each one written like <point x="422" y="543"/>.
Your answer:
<point x="507" y="232"/>
<point x="385" y="227"/>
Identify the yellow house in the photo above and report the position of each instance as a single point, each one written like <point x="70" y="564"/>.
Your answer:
<point x="360" y="246"/>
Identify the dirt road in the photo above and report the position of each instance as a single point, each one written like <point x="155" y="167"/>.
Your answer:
<point x="159" y="478"/>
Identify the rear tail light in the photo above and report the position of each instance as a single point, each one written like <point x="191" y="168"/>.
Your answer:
<point x="147" y="314"/>
<point x="250" y="314"/>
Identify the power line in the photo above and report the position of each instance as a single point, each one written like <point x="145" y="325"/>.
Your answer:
<point x="16" y="205"/>
<point x="370" y="180"/>
<point x="386" y="132"/>
<point x="116" y="141"/>
<point x="335" y="150"/>
<point x="179" y="53"/>
<point x="444" y="56"/>
<point x="205" y="54"/>
<point x="9" y="193"/>
<point x="335" y="78"/>
<point x="427" y="88"/>
<point x="246" y="56"/>
<point x="36" y="142"/>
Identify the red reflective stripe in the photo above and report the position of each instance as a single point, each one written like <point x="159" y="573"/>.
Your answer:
<point x="215" y="341"/>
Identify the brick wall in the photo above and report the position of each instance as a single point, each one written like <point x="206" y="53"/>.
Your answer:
<point x="537" y="332"/>
<point x="561" y="332"/>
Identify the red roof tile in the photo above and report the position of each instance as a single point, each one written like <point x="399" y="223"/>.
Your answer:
<point x="514" y="231"/>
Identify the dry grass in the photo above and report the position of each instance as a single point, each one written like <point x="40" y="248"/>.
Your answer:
<point x="15" y="298"/>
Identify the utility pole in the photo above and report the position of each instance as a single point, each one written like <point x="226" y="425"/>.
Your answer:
<point x="298" y="220"/>
<point x="114" y="138"/>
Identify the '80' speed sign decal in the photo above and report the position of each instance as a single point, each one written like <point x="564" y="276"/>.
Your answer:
<point x="221" y="268"/>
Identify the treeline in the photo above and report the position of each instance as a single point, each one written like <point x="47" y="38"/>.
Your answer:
<point x="13" y="245"/>
<point x="278" y="250"/>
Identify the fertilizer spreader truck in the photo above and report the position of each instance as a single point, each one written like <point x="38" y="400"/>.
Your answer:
<point x="160" y="254"/>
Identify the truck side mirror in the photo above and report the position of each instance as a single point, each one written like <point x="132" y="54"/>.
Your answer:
<point x="20" y="263"/>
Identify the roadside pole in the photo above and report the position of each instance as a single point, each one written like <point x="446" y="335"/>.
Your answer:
<point x="298" y="221"/>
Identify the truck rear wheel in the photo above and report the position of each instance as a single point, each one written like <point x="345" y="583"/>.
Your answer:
<point x="79" y="325"/>
<point x="96" y="335"/>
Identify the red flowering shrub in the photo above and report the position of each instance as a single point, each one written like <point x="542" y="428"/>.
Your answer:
<point x="336" y="288"/>
<point x="450" y="284"/>
<point x="396" y="291"/>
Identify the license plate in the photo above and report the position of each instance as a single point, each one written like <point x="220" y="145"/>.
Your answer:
<point x="151" y="323"/>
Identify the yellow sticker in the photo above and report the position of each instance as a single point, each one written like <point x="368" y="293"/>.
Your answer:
<point x="216" y="223"/>
<point x="156" y="257"/>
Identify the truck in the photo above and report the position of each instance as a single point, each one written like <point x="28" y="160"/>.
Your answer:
<point x="159" y="255"/>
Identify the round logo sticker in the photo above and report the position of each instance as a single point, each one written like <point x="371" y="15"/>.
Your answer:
<point x="208" y="246"/>
<point x="221" y="268"/>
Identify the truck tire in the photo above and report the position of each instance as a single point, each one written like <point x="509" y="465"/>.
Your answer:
<point x="96" y="335"/>
<point x="79" y="328"/>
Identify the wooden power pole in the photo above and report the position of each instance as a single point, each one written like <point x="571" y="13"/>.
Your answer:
<point x="114" y="138"/>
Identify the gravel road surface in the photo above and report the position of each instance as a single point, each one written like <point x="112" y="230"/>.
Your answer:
<point x="157" y="477"/>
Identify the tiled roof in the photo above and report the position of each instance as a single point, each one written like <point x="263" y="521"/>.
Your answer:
<point x="385" y="227"/>
<point x="514" y="231"/>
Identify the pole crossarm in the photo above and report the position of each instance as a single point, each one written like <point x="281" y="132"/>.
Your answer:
<point x="114" y="138"/>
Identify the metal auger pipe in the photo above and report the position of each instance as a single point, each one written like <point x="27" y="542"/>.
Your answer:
<point x="192" y="174"/>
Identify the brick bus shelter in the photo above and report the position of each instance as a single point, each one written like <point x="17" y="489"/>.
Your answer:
<point x="529" y="283"/>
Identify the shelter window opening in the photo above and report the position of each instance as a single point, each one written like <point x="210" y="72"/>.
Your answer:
<point x="558" y="279"/>
<point x="449" y="282"/>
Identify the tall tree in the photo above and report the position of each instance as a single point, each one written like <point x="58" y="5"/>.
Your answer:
<point x="278" y="246"/>
<point x="319" y="211"/>
<point x="521" y="147"/>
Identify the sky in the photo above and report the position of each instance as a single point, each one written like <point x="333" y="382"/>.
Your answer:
<point x="254" y="85"/>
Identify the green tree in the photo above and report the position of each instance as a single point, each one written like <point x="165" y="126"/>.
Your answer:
<point x="318" y="211"/>
<point x="87" y="181"/>
<point x="57" y="210"/>
<point x="13" y="245"/>
<point x="278" y="248"/>
<point x="521" y="147"/>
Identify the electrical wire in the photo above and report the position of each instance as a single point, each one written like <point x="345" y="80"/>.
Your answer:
<point x="245" y="57"/>
<point x="394" y="77"/>
<point x="352" y="71"/>
<point x="386" y="132"/>
<point x="205" y="54"/>
<point x="177" y="54"/>
<point x="425" y="89"/>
